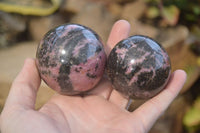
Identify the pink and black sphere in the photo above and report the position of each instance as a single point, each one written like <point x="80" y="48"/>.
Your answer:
<point x="71" y="59"/>
<point x="138" y="67"/>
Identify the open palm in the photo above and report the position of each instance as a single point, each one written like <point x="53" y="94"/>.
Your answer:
<point x="101" y="111"/>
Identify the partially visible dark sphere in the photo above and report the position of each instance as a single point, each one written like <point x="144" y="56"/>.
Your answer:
<point x="138" y="67"/>
<point x="71" y="59"/>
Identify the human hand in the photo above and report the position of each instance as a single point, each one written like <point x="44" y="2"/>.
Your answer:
<point x="101" y="111"/>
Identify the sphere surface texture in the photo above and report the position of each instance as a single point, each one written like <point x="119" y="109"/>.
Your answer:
<point x="138" y="67"/>
<point x="70" y="59"/>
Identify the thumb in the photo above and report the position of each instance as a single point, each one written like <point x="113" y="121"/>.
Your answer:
<point x="24" y="88"/>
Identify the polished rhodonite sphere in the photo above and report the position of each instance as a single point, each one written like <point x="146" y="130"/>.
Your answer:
<point x="138" y="67"/>
<point x="70" y="59"/>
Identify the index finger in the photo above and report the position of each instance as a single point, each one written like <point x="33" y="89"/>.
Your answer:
<point x="120" y="31"/>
